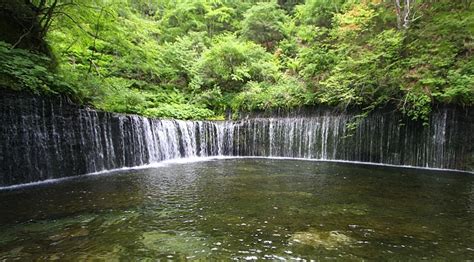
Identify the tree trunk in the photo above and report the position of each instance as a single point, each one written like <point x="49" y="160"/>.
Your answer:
<point x="404" y="9"/>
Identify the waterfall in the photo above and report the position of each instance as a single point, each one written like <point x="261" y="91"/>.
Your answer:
<point x="447" y="142"/>
<point x="49" y="138"/>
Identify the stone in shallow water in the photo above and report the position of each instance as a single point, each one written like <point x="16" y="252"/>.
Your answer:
<point x="173" y="243"/>
<point x="325" y="239"/>
<point x="70" y="233"/>
<point x="54" y="257"/>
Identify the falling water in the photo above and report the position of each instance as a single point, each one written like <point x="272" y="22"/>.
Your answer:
<point x="45" y="138"/>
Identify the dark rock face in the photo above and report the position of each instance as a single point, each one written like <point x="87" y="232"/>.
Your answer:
<point x="44" y="138"/>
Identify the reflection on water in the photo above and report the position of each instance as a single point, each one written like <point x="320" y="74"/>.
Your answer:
<point x="244" y="209"/>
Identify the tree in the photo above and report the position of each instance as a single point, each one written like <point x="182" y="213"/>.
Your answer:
<point x="406" y="13"/>
<point x="231" y="63"/>
<point x="263" y="24"/>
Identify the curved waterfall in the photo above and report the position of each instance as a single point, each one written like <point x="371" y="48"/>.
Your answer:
<point x="49" y="138"/>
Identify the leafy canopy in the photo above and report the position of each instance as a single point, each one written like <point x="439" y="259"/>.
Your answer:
<point x="197" y="59"/>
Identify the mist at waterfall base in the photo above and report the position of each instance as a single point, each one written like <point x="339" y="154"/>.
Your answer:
<point x="244" y="209"/>
<point x="44" y="138"/>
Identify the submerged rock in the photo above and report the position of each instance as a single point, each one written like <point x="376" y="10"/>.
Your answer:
<point x="180" y="243"/>
<point x="325" y="239"/>
<point x="70" y="233"/>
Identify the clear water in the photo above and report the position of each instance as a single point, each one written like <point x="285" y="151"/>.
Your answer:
<point x="244" y="209"/>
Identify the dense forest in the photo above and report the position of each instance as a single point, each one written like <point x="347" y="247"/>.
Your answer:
<point x="201" y="59"/>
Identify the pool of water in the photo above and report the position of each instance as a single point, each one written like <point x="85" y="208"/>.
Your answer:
<point x="244" y="209"/>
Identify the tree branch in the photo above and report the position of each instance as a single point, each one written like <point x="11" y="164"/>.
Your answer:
<point x="23" y="36"/>
<point x="75" y="22"/>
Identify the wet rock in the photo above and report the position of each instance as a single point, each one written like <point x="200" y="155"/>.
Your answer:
<point x="325" y="239"/>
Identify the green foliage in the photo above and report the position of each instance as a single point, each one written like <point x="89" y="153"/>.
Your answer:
<point x="318" y="12"/>
<point x="361" y="61"/>
<point x="230" y="63"/>
<point x="366" y="76"/>
<point x="213" y="17"/>
<point x="460" y="85"/>
<point x="350" y="24"/>
<point x="179" y="111"/>
<point x="417" y="105"/>
<point x="24" y="70"/>
<point x="195" y="59"/>
<point x="288" y="92"/>
<point x="138" y="97"/>
<point x="263" y="24"/>
<point x="211" y="98"/>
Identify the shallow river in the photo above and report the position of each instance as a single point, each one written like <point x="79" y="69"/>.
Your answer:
<point x="243" y="209"/>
